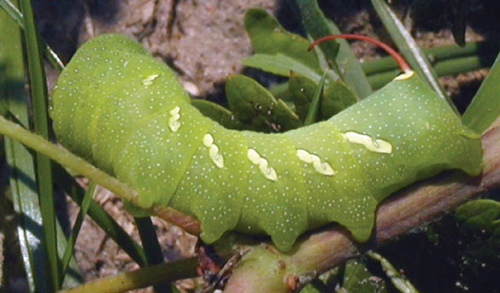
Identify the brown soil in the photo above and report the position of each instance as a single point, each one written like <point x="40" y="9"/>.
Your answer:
<point x="204" y="40"/>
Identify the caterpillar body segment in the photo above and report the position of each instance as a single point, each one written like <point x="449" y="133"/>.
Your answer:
<point x="125" y="111"/>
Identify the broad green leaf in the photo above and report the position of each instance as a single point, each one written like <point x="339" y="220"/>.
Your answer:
<point x="326" y="282"/>
<point x="339" y="57"/>
<point x="269" y="37"/>
<point x="252" y="103"/>
<point x="480" y="219"/>
<point x="358" y="279"/>
<point x="279" y="64"/>
<point x="485" y="107"/>
<point x="218" y="113"/>
<point x="336" y="95"/>
<point x="481" y="215"/>
<point x="280" y="91"/>
<point x="351" y="277"/>
<point x="302" y="89"/>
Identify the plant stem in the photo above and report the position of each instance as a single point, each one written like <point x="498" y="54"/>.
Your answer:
<point x="148" y="276"/>
<point x="442" y="68"/>
<point x="412" y="207"/>
<point x="437" y="55"/>
<point x="80" y="166"/>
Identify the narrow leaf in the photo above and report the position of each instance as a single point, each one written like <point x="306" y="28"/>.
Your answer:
<point x="269" y="37"/>
<point x="17" y="16"/>
<point x="279" y="64"/>
<point x="22" y="175"/>
<point x="152" y="248"/>
<point x="218" y="113"/>
<point x="459" y="8"/>
<point x="39" y="95"/>
<point x="398" y="280"/>
<point x="68" y="252"/>
<point x="409" y="48"/>
<point x="252" y="103"/>
<point x="100" y="216"/>
<point x="312" y="115"/>
<point x="485" y="106"/>
<point x="339" y="57"/>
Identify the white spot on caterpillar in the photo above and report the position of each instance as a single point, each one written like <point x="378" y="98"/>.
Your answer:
<point x="208" y="140"/>
<point x="321" y="167"/>
<point x="173" y="123"/>
<point x="213" y="152"/>
<point x="304" y="156"/>
<point x="175" y="110"/>
<point x="405" y="75"/>
<point x="215" y="156"/>
<point x="378" y="145"/>
<point x="253" y="156"/>
<point x="268" y="172"/>
<point x="149" y="80"/>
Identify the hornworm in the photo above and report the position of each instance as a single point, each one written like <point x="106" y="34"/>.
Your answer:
<point x="118" y="107"/>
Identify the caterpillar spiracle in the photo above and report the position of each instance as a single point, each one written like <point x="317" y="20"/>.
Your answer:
<point x="121" y="109"/>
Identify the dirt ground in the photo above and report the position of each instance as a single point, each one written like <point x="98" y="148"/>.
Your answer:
<point x="203" y="40"/>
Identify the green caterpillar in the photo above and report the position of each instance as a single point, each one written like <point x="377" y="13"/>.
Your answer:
<point x="121" y="109"/>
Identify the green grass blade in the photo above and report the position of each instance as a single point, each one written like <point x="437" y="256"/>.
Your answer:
<point x="17" y="16"/>
<point x="149" y="240"/>
<point x="312" y="114"/>
<point x="25" y="201"/>
<point x="398" y="280"/>
<point x="22" y="176"/>
<point x="485" y="107"/>
<point x="341" y="59"/>
<point x="73" y="274"/>
<point x="99" y="215"/>
<point x="152" y="248"/>
<point x="409" y="48"/>
<point x="68" y="252"/>
<point x="39" y="95"/>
